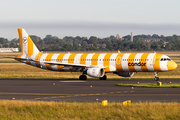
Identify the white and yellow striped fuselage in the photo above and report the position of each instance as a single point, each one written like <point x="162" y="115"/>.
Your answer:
<point x="121" y="62"/>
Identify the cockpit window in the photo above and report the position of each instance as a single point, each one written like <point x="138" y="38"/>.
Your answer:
<point x="168" y="59"/>
<point x="165" y="59"/>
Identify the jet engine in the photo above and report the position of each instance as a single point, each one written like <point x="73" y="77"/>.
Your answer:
<point x="125" y="74"/>
<point x="95" y="72"/>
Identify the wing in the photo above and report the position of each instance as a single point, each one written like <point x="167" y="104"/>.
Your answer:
<point x="58" y="63"/>
<point x="72" y="65"/>
<point x="65" y="64"/>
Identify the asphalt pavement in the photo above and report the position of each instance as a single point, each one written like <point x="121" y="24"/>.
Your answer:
<point x="86" y="91"/>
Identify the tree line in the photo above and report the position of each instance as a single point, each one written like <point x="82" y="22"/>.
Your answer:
<point x="69" y="43"/>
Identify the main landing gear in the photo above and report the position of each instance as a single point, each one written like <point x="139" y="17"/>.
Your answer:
<point x="156" y="76"/>
<point x="82" y="77"/>
<point x="103" y="78"/>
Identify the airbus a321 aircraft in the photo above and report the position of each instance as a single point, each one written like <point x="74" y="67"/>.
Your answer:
<point x="94" y="64"/>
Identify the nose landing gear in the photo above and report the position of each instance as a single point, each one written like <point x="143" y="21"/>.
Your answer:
<point x="156" y="76"/>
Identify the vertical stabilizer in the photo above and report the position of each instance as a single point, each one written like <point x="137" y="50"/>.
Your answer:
<point x="27" y="45"/>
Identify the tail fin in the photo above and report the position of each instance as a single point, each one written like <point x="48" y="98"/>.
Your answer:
<point x="28" y="48"/>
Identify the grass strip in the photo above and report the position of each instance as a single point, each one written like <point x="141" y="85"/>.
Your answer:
<point x="30" y="110"/>
<point x="152" y="85"/>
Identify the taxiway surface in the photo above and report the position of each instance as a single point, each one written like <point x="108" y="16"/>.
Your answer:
<point x="90" y="90"/>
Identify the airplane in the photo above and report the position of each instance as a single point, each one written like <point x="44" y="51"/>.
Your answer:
<point x="93" y="64"/>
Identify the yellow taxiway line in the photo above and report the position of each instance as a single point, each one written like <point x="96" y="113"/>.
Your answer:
<point x="74" y="81"/>
<point x="8" y="93"/>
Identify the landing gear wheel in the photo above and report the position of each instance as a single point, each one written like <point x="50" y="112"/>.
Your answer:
<point x="82" y="77"/>
<point x="103" y="78"/>
<point x="156" y="78"/>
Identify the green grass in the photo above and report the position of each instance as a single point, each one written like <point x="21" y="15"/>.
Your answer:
<point x="174" y="85"/>
<point x="39" y="110"/>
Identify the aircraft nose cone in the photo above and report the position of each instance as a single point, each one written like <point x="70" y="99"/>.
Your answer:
<point x="171" y="65"/>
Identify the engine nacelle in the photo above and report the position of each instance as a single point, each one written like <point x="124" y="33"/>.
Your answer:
<point x="125" y="74"/>
<point x="95" y="72"/>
